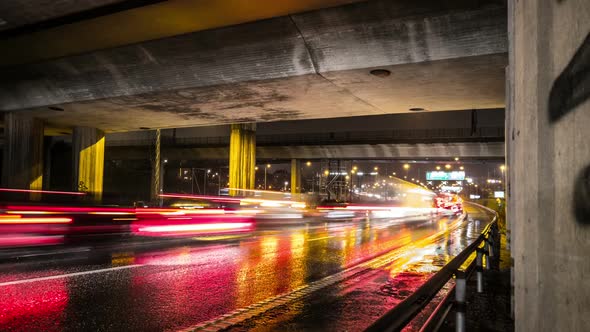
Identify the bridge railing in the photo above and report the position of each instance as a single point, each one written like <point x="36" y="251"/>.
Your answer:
<point x="325" y="138"/>
<point x="403" y="313"/>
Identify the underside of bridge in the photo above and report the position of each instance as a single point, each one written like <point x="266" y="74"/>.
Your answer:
<point x="376" y="57"/>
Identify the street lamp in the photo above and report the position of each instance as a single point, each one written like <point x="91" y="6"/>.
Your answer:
<point x="308" y="163"/>
<point x="447" y="166"/>
<point x="267" y="167"/>
<point x="406" y="166"/>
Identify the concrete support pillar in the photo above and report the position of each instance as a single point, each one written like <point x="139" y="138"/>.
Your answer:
<point x="549" y="163"/>
<point x="242" y="156"/>
<point x="295" y="176"/>
<point x="156" y="187"/>
<point x="88" y="161"/>
<point x="23" y="152"/>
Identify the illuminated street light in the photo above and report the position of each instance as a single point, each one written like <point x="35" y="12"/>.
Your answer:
<point x="406" y="166"/>
<point x="447" y="166"/>
<point x="256" y="168"/>
<point x="394" y="173"/>
<point x="438" y="168"/>
<point x="376" y="168"/>
<point x="308" y="163"/>
<point x="326" y="172"/>
<point x="267" y="167"/>
<point x="354" y="168"/>
<point x="502" y="168"/>
<point x="347" y="177"/>
<point x="456" y="158"/>
<point x="461" y="168"/>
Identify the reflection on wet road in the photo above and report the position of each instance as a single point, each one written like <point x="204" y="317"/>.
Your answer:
<point x="182" y="286"/>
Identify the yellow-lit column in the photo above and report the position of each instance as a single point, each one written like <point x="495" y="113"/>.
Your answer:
<point x="23" y="152"/>
<point x="242" y="156"/>
<point x="295" y="176"/>
<point x="88" y="161"/>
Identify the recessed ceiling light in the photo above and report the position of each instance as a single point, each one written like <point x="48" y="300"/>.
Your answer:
<point x="55" y="108"/>
<point x="417" y="109"/>
<point x="380" y="72"/>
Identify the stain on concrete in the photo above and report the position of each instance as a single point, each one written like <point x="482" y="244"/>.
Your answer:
<point x="582" y="197"/>
<point x="572" y="86"/>
<point x="570" y="89"/>
<point x="275" y="114"/>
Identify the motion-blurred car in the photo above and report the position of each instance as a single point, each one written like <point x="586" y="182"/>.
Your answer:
<point x="450" y="202"/>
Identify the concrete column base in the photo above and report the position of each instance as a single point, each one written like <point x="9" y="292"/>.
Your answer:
<point x="23" y="152"/>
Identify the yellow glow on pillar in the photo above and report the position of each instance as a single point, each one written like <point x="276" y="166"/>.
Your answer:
<point x="242" y="157"/>
<point x="91" y="169"/>
<point x="36" y="184"/>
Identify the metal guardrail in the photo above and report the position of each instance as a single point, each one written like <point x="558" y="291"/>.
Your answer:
<point x="403" y="313"/>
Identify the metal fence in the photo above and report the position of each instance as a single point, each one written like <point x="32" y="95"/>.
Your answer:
<point x="485" y="246"/>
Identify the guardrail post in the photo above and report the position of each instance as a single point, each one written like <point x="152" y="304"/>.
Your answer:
<point x="487" y="251"/>
<point x="479" y="269"/>
<point x="460" y="296"/>
<point x="490" y="241"/>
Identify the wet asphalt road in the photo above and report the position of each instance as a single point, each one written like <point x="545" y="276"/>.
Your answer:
<point x="186" y="284"/>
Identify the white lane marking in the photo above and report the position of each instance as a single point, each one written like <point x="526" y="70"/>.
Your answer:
<point x="320" y="238"/>
<point x="16" y="282"/>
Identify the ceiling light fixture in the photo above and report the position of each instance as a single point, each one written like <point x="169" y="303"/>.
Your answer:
<point x="380" y="72"/>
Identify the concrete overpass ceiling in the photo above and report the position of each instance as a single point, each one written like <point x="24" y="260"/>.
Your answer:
<point x="17" y="14"/>
<point x="32" y="30"/>
<point x="305" y="66"/>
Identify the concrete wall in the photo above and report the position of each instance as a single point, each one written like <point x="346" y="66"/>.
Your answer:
<point x="549" y="160"/>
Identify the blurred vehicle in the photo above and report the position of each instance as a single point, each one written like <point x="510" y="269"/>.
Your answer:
<point x="449" y="202"/>
<point x="169" y="222"/>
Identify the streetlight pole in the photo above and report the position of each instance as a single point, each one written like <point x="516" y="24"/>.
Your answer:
<point x="204" y="182"/>
<point x="267" y="166"/>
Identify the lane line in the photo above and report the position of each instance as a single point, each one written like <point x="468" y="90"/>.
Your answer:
<point x="320" y="238"/>
<point x="17" y="282"/>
